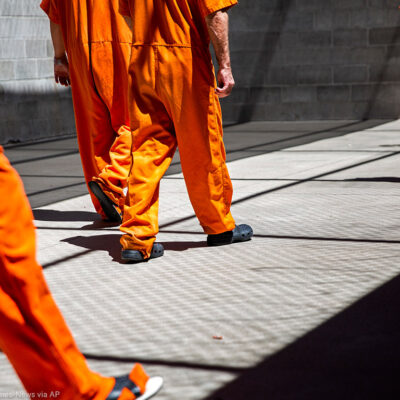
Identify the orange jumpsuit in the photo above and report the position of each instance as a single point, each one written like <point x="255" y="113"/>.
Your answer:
<point x="173" y="102"/>
<point x="33" y="333"/>
<point x="98" y="44"/>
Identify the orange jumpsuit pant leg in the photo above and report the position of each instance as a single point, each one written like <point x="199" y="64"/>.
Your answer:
<point x="184" y="90"/>
<point x="102" y="118"/>
<point x="114" y="176"/>
<point x="109" y="65"/>
<point x="154" y="145"/>
<point x="33" y="333"/>
<point x="187" y="85"/>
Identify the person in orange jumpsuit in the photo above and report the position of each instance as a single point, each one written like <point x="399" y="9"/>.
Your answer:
<point x="174" y="100"/>
<point x="97" y="41"/>
<point x="33" y="333"/>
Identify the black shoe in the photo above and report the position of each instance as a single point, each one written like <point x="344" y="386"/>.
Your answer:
<point x="153" y="385"/>
<point x="107" y="205"/>
<point x="137" y="256"/>
<point x="241" y="233"/>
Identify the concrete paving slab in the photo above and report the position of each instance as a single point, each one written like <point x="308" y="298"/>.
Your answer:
<point x="44" y="165"/>
<point x="325" y="245"/>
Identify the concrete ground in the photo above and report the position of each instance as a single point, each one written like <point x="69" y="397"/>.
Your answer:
<point x="309" y="309"/>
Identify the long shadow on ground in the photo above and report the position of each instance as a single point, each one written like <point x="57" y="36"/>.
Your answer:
<point x="106" y="242"/>
<point x="56" y="215"/>
<point x="111" y="244"/>
<point x="353" y="356"/>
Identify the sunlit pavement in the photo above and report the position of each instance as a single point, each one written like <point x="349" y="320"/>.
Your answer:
<point x="309" y="309"/>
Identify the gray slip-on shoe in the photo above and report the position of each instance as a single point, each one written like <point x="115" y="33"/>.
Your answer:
<point x="241" y="233"/>
<point x="136" y="256"/>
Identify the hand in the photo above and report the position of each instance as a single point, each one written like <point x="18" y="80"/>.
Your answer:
<point x="61" y="71"/>
<point x="225" y="82"/>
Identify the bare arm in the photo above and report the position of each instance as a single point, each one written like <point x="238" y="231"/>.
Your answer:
<point x="218" y="29"/>
<point x="57" y="38"/>
<point x="61" y="67"/>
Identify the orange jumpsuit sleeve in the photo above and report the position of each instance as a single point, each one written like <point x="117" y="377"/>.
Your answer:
<point x="50" y="8"/>
<point x="124" y="8"/>
<point x="208" y="7"/>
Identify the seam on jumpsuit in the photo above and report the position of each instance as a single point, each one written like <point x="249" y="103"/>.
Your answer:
<point x="156" y="67"/>
<point x="221" y="166"/>
<point x="156" y="44"/>
<point x="108" y="41"/>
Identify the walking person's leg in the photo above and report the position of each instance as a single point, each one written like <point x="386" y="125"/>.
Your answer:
<point x="196" y="114"/>
<point x="33" y="333"/>
<point x="154" y="145"/>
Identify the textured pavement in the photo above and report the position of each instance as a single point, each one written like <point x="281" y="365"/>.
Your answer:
<point x="307" y="310"/>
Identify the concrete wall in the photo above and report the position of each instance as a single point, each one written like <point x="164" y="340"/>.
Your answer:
<point x="292" y="59"/>
<point x="315" y="59"/>
<point x="32" y="106"/>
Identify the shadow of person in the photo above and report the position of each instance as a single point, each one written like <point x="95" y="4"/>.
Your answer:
<point x="110" y="243"/>
<point x="63" y="216"/>
<point x="107" y="242"/>
<point x="99" y="224"/>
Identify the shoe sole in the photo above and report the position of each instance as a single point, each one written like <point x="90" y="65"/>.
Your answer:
<point x="132" y="255"/>
<point x="153" y="386"/>
<point x="106" y="204"/>
<point x="136" y="256"/>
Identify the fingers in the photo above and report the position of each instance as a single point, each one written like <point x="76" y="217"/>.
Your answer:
<point x="62" y="80"/>
<point x="225" y="83"/>
<point x="65" y="81"/>
<point x="225" y="90"/>
<point x="61" y="73"/>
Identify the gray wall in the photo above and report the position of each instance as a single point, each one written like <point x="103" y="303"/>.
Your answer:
<point x="315" y="59"/>
<point x="32" y="106"/>
<point x="292" y="60"/>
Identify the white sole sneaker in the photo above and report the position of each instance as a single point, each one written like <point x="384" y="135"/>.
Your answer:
<point x="153" y="386"/>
